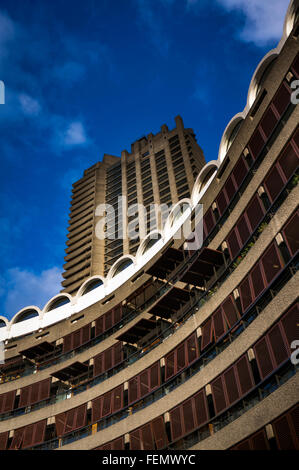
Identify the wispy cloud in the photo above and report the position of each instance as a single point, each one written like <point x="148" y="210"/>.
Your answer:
<point x="32" y="88"/>
<point x="75" y="134"/>
<point x="263" y="19"/>
<point x="7" y="32"/>
<point x="29" y="105"/>
<point x="69" y="134"/>
<point x="149" y="17"/>
<point x="20" y="288"/>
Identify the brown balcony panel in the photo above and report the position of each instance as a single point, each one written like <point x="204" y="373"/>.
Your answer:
<point x="71" y="372"/>
<point x="138" y="331"/>
<point x="170" y="303"/>
<point x="166" y="263"/>
<point x="40" y="352"/>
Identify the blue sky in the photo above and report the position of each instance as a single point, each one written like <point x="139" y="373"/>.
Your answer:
<point x="87" y="78"/>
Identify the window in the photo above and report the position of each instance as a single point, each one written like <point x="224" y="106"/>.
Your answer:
<point x="143" y="383"/>
<point x="4" y="440"/>
<point x="35" y="393"/>
<point x="209" y="221"/>
<point x="274" y="183"/>
<point x="106" y="321"/>
<point x="7" y="401"/>
<point x="260" y="276"/>
<point x="189" y="415"/>
<point x="117" y="444"/>
<point x="274" y="348"/>
<point x="221" y="320"/>
<point x="181" y="356"/>
<point x="150" y="436"/>
<point x="288" y="162"/>
<point x="286" y="430"/>
<point x="108" y="359"/>
<point x="230" y="386"/>
<point x="290" y="232"/>
<point x="29" y="435"/>
<point x="254" y="212"/>
<point x="106" y="404"/>
<point x="76" y="339"/>
<point x="71" y="420"/>
<point x="257" y="441"/>
<point x="222" y="202"/>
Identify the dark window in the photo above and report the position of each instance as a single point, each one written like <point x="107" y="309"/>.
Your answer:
<point x="274" y="183"/>
<point x="76" y="339"/>
<point x="7" y="401"/>
<point x="282" y="99"/>
<point x="290" y="233"/>
<point x="151" y="436"/>
<point x="288" y="162"/>
<point x="182" y="356"/>
<point x="107" y="404"/>
<point x="144" y="383"/>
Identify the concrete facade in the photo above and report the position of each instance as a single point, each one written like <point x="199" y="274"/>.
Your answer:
<point x="148" y="334"/>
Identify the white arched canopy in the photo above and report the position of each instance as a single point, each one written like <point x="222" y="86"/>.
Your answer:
<point x="148" y="242"/>
<point x="57" y="301"/>
<point x="260" y="75"/>
<point x="120" y="265"/>
<point x="203" y="177"/>
<point x="25" y="314"/>
<point x="3" y="322"/>
<point x="229" y="135"/>
<point x="179" y="210"/>
<point x="90" y="285"/>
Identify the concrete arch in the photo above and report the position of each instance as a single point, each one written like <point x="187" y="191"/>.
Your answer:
<point x="226" y="141"/>
<point x="53" y="300"/>
<point x="4" y="320"/>
<point x="253" y="89"/>
<point x="175" y="216"/>
<point x="89" y="281"/>
<point x="290" y="19"/>
<point x="118" y="263"/>
<point x="259" y="76"/>
<point x="202" y="183"/>
<point x="147" y="240"/>
<point x="21" y="315"/>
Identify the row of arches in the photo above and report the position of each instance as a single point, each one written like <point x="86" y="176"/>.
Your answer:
<point x="261" y="72"/>
<point x="152" y="243"/>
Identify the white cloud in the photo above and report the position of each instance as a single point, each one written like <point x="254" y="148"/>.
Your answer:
<point x="29" y="105"/>
<point x="75" y="134"/>
<point x="68" y="134"/>
<point x="147" y="13"/>
<point x="263" y="19"/>
<point x="25" y="91"/>
<point x="21" y="288"/>
<point x="7" y="32"/>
